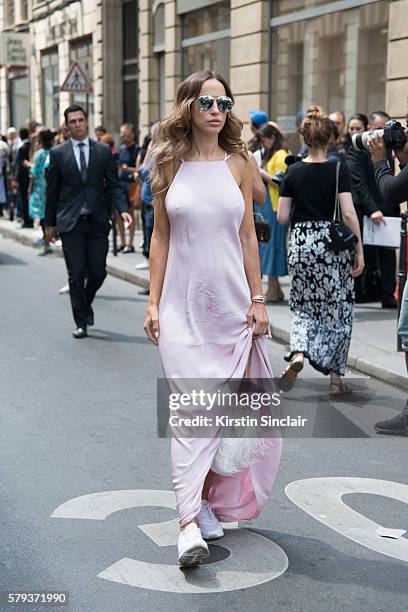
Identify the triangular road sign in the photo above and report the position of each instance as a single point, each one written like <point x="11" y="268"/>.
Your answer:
<point x="76" y="81"/>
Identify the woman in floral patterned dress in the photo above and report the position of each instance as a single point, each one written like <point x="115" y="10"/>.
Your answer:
<point x="322" y="289"/>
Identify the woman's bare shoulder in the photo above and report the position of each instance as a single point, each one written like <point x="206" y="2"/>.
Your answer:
<point x="242" y="165"/>
<point x="240" y="161"/>
<point x="170" y="169"/>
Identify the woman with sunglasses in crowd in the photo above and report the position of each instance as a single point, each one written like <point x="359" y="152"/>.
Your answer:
<point x="206" y="311"/>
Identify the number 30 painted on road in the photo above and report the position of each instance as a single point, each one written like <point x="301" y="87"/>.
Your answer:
<point x="262" y="558"/>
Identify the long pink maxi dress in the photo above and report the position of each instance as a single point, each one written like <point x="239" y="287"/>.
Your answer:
<point x="204" y="333"/>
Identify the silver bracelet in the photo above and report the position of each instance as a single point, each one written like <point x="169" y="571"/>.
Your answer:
<point x="258" y="299"/>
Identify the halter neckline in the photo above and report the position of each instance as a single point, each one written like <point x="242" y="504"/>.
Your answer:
<point x="206" y="161"/>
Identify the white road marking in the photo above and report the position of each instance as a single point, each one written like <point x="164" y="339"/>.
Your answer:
<point x="317" y="495"/>
<point x="254" y="559"/>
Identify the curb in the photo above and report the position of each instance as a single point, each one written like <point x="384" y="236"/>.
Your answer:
<point x="125" y="275"/>
<point x="356" y="363"/>
<point x="375" y="371"/>
<point x="278" y="333"/>
<point x="24" y="239"/>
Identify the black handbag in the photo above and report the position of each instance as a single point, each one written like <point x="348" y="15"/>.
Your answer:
<point x="341" y="236"/>
<point x="262" y="228"/>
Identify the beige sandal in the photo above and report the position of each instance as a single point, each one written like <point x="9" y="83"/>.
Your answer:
<point x="342" y="388"/>
<point x="287" y="379"/>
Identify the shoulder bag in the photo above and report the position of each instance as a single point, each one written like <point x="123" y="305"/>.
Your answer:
<point x="341" y="237"/>
<point x="263" y="231"/>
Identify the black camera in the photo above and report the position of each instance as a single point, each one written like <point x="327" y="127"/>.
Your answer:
<point x="393" y="133"/>
<point x="278" y="178"/>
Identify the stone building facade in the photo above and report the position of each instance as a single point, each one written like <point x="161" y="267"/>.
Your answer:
<point x="279" y="56"/>
<point x="100" y="35"/>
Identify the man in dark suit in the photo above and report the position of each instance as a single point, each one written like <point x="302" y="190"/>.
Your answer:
<point x="82" y="186"/>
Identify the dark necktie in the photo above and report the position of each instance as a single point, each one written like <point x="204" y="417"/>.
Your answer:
<point x="82" y="160"/>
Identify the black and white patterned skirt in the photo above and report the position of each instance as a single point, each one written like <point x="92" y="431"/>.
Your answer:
<point x="321" y="298"/>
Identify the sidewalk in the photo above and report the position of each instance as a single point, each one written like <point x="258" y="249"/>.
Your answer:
<point x="374" y="340"/>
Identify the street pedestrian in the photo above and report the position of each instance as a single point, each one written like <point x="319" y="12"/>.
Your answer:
<point x="206" y="311"/>
<point x="394" y="190"/>
<point x="378" y="279"/>
<point x="62" y="134"/>
<point x="257" y="120"/>
<point x="38" y="192"/>
<point x="146" y="197"/>
<point x="273" y="254"/>
<point x="127" y="169"/>
<point x="13" y="142"/>
<point x="23" y="174"/>
<point x="337" y="150"/>
<point x="109" y="140"/>
<point x="82" y="184"/>
<point x="99" y="132"/>
<point x="4" y="155"/>
<point x="387" y="256"/>
<point x="322" y="289"/>
<point x="398" y="425"/>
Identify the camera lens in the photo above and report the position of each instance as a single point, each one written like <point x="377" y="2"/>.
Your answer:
<point x="358" y="142"/>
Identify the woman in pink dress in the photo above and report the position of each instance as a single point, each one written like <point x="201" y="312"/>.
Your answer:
<point x="206" y="311"/>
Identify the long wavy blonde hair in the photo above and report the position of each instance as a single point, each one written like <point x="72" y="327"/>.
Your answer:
<point x="174" y="136"/>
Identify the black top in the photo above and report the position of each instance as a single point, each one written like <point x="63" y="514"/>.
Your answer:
<point x="23" y="154"/>
<point x="313" y="189"/>
<point x="394" y="189"/>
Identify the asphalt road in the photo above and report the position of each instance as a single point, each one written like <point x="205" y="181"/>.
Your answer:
<point x="78" y="422"/>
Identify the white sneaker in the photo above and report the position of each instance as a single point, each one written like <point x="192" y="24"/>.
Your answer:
<point x="191" y="547"/>
<point x="210" y="526"/>
<point x="64" y="289"/>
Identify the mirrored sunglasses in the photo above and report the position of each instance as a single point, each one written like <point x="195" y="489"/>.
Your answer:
<point x="224" y="103"/>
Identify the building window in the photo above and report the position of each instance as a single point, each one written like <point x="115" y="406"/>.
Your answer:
<point x="335" y="59"/>
<point x="10" y="12"/>
<point x="130" y="64"/>
<point x="80" y="52"/>
<point x="50" y="87"/>
<point x="206" y="39"/>
<point x="159" y="48"/>
<point x="159" y="28"/>
<point x="284" y="7"/>
<point x="24" y="10"/>
<point x="19" y="101"/>
<point x="161" y="86"/>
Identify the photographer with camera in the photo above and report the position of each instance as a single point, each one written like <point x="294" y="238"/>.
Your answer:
<point x="394" y="190"/>
<point x="379" y="275"/>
